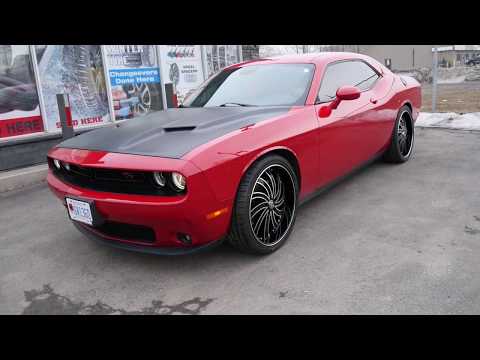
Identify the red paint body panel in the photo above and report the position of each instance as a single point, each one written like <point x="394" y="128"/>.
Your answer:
<point x="324" y="149"/>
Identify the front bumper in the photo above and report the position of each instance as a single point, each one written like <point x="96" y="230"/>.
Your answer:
<point x="167" y="216"/>
<point x="145" y="249"/>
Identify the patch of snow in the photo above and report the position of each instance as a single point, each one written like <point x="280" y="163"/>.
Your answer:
<point x="469" y="121"/>
<point x="455" y="80"/>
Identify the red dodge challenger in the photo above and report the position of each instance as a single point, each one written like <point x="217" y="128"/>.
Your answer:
<point x="237" y="159"/>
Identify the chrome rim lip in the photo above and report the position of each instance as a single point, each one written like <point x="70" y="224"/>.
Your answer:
<point x="412" y="133"/>
<point x="293" y="210"/>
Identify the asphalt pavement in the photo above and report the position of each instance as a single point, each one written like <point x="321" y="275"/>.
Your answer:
<point x="392" y="239"/>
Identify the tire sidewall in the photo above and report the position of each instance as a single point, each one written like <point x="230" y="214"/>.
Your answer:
<point x="242" y="208"/>
<point x="402" y="110"/>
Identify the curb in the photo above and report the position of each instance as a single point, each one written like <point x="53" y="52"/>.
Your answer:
<point x="16" y="179"/>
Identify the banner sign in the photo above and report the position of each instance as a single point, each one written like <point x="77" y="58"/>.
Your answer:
<point x="21" y="126"/>
<point x="182" y="66"/>
<point x="135" y="79"/>
<point x="19" y="106"/>
<point x="138" y="76"/>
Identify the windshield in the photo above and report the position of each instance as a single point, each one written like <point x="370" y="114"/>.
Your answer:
<point x="255" y="85"/>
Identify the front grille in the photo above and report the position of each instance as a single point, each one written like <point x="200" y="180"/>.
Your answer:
<point x="126" y="231"/>
<point x="110" y="180"/>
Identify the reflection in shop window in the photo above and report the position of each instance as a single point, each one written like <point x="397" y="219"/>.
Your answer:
<point x="19" y="106"/>
<point x="221" y="56"/>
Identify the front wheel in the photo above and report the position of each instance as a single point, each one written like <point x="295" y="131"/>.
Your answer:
<point x="403" y="137"/>
<point x="265" y="207"/>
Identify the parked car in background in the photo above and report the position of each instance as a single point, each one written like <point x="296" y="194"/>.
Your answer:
<point x="473" y="61"/>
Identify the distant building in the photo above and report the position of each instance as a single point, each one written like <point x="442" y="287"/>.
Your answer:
<point x="397" y="57"/>
<point x="457" y="55"/>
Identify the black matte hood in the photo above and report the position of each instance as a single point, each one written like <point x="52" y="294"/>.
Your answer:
<point x="171" y="133"/>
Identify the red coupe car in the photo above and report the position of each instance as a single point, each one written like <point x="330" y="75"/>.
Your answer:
<point x="237" y="159"/>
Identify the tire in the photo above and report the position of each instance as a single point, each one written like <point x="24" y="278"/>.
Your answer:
<point x="149" y="97"/>
<point x="277" y="203"/>
<point x="174" y="74"/>
<point x="403" y="138"/>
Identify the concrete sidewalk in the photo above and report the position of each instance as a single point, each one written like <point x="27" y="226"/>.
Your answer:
<point x="16" y="179"/>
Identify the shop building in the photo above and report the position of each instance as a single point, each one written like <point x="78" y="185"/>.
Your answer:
<point x="104" y="83"/>
<point x="457" y="55"/>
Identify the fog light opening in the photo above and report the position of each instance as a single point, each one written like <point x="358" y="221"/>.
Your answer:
<point x="184" y="238"/>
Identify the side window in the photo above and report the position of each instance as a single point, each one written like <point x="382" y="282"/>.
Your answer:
<point x="351" y="73"/>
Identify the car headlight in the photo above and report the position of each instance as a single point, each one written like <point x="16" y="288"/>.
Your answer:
<point x="178" y="180"/>
<point x="159" y="178"/>
<point x="57" y="164"/>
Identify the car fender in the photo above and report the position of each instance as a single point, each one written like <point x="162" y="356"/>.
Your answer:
<point x="226" y="161"/>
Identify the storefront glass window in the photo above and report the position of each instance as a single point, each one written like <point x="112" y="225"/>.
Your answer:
<point x="134" y="77"/>
<point x="19" y="106"/>
<point x="76" y="70"/>
<point x="220" y="56"/>
<point x="232" y="54"/>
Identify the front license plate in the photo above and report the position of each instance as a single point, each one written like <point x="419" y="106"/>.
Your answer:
<point x="79" y="211"/>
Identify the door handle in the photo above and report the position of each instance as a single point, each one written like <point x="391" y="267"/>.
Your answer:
<point x="373" y="101"/>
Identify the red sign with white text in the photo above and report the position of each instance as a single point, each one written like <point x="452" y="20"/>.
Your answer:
<point x="21" y="126"/>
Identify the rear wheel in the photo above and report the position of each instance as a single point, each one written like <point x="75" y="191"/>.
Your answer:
<point x="265" y="207"/>
<point x="403" y="136"/>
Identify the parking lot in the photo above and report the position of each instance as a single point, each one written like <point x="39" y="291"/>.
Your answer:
<point x="392" y="239"/>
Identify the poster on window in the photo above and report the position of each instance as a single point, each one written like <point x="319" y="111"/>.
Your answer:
<point x="182" y="66"/>
<point x="19" y="106"/>
<point x="76" y="70"/>
<point x="209" y="60"/>
<point x="220" y="56"/>
<point x="134" y="77"/>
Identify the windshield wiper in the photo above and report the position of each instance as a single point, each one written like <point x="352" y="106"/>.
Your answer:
<point x="234" y="104"/>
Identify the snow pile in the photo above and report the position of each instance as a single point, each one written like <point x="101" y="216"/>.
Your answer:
<point x="455" y="80"/>
<point x="458" y="74"/>
<point x="453" y="75"/>
<point x="470" y="121"/>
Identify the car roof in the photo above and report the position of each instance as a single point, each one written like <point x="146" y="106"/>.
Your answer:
<point x="319" y="59"/>
<point x="315" y="58"/>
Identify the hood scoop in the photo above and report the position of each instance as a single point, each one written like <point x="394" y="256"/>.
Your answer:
<point x="178" y="128"/>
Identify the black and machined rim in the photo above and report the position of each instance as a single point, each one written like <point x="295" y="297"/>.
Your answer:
<point x="405" y="134"/>
<point x="272" y="205"/>
<point x="142" y="91"/>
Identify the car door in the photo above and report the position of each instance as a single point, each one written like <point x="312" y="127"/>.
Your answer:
<point x="346" y="136"/>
